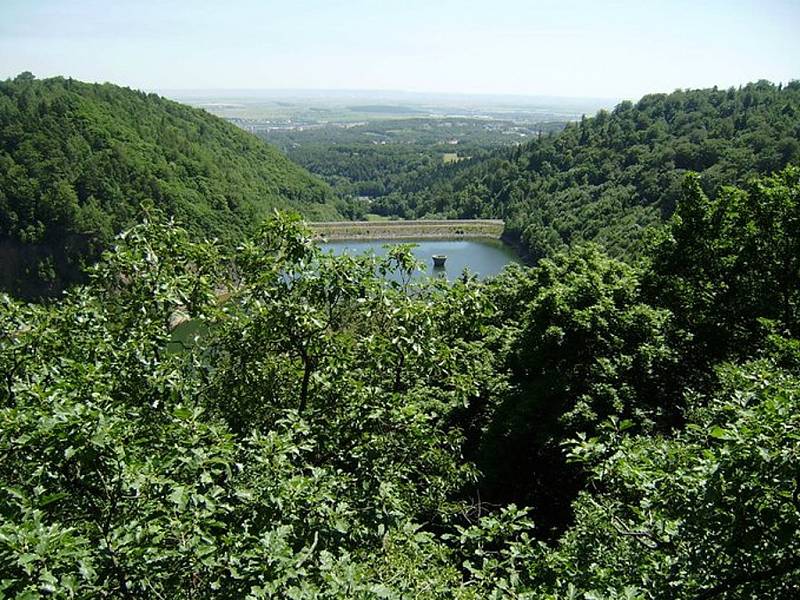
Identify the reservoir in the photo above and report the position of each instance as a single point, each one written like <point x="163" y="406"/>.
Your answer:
<point x="485" y="257"/>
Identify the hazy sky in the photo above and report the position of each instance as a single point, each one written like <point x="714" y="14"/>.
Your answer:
<point x="562" y="47"/>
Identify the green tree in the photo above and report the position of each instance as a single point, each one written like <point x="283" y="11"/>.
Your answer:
<point x="726" y="265"/>
<point x="710" y="513"/>
<point x="588" y="348"/>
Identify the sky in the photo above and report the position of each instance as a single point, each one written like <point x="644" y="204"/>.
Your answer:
<point x="576" y="48"/>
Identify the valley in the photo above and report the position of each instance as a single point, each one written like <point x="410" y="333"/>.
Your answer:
<point x="227" y="374"/>
<point x="370" y="144"/>
<point x="358" y="300"/>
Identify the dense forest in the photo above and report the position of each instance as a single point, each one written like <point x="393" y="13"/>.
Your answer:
<point x="377" y="158"/>
<point x="77" y="160"/>
<point x="609" y="177"/>
<point x="278" y="422"/>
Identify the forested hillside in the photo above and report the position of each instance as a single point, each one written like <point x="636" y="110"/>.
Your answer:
<point x="278" y="422"/>
<point x="380" y="157"/>
<point x="609" y="177"/>
<point x="77" y="160"/>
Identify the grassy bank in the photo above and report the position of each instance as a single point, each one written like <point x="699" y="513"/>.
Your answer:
<point x="354" y="230"/>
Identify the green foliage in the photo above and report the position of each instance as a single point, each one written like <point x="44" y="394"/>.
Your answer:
<point x="77" y="160"/>
<point x="595" y="343"/>
<point x="382" y="157"/>
<point x="588" y="347"/>
<point x="278" y="422"/>
<point x="315" y="415"/>
<point x="726" y="265"/>
<point x="712" y="512"/>
<point x="608" y="178"/>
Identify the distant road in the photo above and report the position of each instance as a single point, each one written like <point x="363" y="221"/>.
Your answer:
<point x="445" y="228"/>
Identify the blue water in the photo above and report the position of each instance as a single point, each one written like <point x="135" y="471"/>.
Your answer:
<point x="485" y="257"/>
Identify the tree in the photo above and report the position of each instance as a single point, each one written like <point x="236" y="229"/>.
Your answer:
<point x="726" y="265"/>
<point x="588" y="348"/>
<point x="710" y="513"/>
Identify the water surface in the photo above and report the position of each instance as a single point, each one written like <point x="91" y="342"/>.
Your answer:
<point x="485" y="257"/>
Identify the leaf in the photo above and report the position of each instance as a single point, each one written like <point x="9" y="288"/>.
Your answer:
<point x="719" y="433"/>
<point x="182" y="413"/>
<point x="381" y="591"/>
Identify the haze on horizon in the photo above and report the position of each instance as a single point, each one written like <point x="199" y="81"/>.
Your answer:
<point x="567" y="48"/>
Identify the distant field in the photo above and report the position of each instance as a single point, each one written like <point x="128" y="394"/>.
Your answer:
<point x="385" y="109"/>
<point x="354" y="230"/>
<point x="257" y="110"/>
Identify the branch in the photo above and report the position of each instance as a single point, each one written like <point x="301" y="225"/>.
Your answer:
<point x="643" y="536"/>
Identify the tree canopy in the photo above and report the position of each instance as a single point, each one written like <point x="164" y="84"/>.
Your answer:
<point x="272" y="421"/>
<point x="77" y="160"/>
<point x="609" y="177"/>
